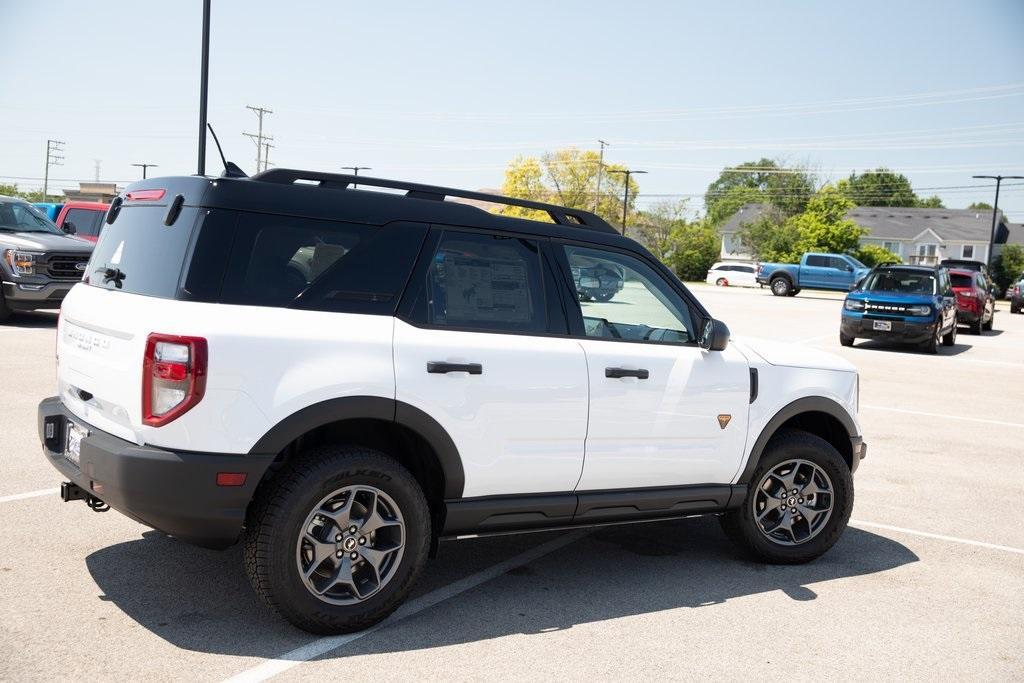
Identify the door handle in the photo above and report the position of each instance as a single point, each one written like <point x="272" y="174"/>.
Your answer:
<point x="437" y="367"/>
<point x="618" y="373"/>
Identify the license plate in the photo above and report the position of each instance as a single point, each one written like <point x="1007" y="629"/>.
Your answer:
<point x="73" y="448"/>
<point x="884" y="325"/>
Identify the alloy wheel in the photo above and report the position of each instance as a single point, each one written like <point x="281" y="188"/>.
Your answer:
<point x="793" y="502"/>
<point x="350" y="545"/>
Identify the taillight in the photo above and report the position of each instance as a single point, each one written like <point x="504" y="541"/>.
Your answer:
<point x="145" y="195"/>
<point x="173" y="377"/>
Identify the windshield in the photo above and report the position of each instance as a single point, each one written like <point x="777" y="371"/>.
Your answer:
<point x="857" y="263"/>
<point x="23" y="217"/>
<point x="902" y="282"/>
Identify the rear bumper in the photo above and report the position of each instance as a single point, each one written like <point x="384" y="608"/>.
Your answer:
<point x="902" y="331"/>
<point x="173" y="491"/>
<point x="29" y="296"/>
<point x="967" y="316"/>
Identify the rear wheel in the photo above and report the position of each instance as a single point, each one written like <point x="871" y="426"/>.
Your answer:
<point x="978" y="326"/>
<point x="950" y="339"/>
<point x="991" y="319"/>
<point x="781" y="286"/>
<point x="1014" y="308"/>
<point x="336" y="541"/>
<point x="798" y="503"/>
<point x="722" y="282"/>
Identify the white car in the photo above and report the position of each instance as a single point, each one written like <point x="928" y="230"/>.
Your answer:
<point x="340" y="378"/>
<point x="726" y="274"/>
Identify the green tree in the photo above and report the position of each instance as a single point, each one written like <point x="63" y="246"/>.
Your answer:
<point x="764" y="181"/>
<point x="1009" y="265"/>
<point x="980" y="206"/>
<point x="872" y="255"/>
<point x="824" y="225"/>
<point x="771" y="238"/>
<point x="567" y="177"/>
<point x="694" y="248"/>
<point x="882" y="187"/>
<point x="653" y="228"/>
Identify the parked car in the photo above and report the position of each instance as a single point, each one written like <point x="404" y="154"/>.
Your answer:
<point x="1017" y="295"/>
<point x="726" y="274"/>
<point x="976" y="305"/>
<point x="82" y="219"/>
<point x="815" y="271"/>
<point x="437" y="376"/>
<point x="51" y="209"/>
<point x="906" y="304"/>
<point x="39" y="263"/>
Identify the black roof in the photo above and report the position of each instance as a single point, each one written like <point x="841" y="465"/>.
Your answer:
<point x="329" y="196"/>
<point x="910" y="267"/>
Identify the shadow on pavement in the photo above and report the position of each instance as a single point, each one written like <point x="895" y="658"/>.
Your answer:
<point x="200" y="600"/>
<point x="876" y="345"/>
<point x="32" y="320"/>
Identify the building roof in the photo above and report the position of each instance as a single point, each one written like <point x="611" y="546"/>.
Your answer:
<point x="901" y="223"/>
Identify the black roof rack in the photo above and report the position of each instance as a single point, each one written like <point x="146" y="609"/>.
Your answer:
<point x="339" y="181"/>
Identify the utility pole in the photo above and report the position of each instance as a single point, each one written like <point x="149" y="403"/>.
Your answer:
<point x="355" y="171"/>
<point x="259" y="138"/>
<point x="144" y="167"/>
<point x="600" y="170"/>
<point x="204" y="80"/>
<point x="97" y="162"/>
<point x="625" y="194"/>
<point x="995" y="210"/>
<point x="54" y="157"/>
<point x="266" y="155"/>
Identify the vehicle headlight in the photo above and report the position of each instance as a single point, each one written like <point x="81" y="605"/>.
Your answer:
<point x="20" y="262"/>
<point x="854" y="305"/>
<point x="919" y="310"/>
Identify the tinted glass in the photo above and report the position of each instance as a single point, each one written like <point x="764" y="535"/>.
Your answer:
<point x="485" y="282"/>
<point x="139" y="254"/>
<point x="961" y="280"/>
<point x="900" y="281"/>
<point x="86" y="221"/>
<point x="621" y="297"/>
<point x="817" y="261"/>
<point x="23" y="217"/>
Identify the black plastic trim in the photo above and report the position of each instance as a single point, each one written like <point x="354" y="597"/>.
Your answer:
<point x="753" y="384"/>
<point x="506" y="514"/>
<point x="809" y="404"/>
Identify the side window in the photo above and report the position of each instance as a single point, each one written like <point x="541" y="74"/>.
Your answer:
<point x="817" y="261"/>
<point x="86" y="221"/>
<point x="837" y="263"/>
<point x="485" y="282"/>
<point x="623" y="298"/>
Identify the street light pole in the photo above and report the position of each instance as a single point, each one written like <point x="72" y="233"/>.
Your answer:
<point x="600" y="170"/>
<point x="995" y="210"/>
<point x="204" y="77"/>
<point x="625" y="193"/>
<point x="144" y="167"/>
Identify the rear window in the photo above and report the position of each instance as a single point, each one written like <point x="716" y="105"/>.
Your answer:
<point x="903" y="282"/>
<point x="87" y="222"/>
<point x="961" y="280"/>
<point x="138" y="254"/>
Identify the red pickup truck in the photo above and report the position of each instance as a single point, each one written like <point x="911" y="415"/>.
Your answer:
<point x="82" y="219"/>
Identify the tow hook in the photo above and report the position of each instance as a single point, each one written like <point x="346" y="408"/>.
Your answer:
<point x="70" y="491"/>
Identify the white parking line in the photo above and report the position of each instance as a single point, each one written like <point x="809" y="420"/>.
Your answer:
<point x="926" y="534"/>
<point x="922" y="413"/>
<point x="322" y="646"/>
<point x="30" y="494"/>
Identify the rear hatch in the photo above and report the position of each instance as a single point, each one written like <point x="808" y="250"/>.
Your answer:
<point x="132" y="280"/>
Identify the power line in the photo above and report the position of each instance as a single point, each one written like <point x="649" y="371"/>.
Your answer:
<point x="258" y="137"/>
<point x="625" y="192"/>
<point x="54" y="157"/>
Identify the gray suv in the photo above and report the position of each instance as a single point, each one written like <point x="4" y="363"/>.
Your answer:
<point x="38" y="263"/>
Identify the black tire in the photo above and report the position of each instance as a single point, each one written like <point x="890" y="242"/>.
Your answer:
<point x="280" y="510"/>
<point x="781" y="286"/>
<point x="978" y="326"/>
<point x="992" y="318"/>
<point x="741" y="526"/>
<point x="950" y="338"/>
<point x="721" y="282"/>
<point x="932" y="345"/>
<point x="1014" y="308"/>
<point x="845" y="340"/>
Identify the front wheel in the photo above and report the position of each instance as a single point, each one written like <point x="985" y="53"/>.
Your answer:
<point x="845" y="340"/>
<point x="336" y="540"/>
<point x="798" y="503"/>
<point x="5" y="311"/>
<point x="722" y="282"/>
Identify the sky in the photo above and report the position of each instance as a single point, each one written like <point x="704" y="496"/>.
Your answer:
<point x="448" y="92"/>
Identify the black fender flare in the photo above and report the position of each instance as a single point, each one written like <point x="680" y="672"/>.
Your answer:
<point x="369" y="407"/>
<point x="808" y="404"/>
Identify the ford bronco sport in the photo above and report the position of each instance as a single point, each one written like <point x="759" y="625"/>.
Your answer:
<point x="342" y="377"/>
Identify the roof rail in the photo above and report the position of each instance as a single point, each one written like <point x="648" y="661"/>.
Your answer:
<point x="339" y="181"/>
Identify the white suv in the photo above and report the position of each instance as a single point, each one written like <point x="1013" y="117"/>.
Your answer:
<point x="343" y="377"/>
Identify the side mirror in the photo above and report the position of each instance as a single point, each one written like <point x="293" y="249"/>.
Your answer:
<point x="849" y="268"/>
<point x="714" y="336"/>
<point x="69" y="228"/>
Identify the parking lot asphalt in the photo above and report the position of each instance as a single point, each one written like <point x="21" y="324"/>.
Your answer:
<point x="928" y="582"/>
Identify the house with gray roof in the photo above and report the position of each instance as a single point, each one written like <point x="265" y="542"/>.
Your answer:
<point x="923" y="236"/>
